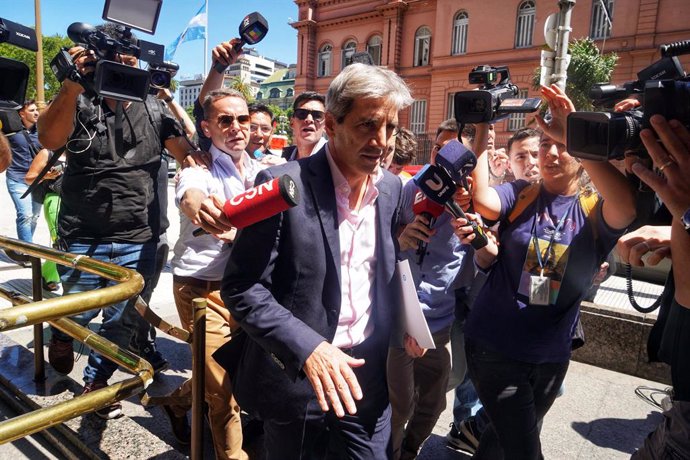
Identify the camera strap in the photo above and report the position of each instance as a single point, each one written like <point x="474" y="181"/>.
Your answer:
<point x="119" y="137"/>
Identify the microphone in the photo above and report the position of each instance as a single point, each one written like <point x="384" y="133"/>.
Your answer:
<point x="259" y="203"/>
<point x="438" y="186"/>
<point x="431" y="210"/>
<point x="252" y="30"/>
<point x="457" y="160"/>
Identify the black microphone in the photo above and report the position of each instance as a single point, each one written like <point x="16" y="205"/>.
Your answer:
<point x="437" y="184"/>
<point x="259" y="203"/>
<point x="429" y="209"/>
<point x="252" y="30"/>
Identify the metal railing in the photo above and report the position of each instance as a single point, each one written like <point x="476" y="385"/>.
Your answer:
<point x="26" y="312"/>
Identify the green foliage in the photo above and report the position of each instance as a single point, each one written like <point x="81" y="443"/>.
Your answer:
<point x="243" y="87"/>
<point x="190" y="112"/>
<point x="587" y="67"/>
<point x="51" y="46"/>
<point x="174" y="85"/>
<point x="282" y="117"/>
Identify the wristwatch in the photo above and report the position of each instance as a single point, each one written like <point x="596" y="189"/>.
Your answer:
<point x="168" y="99"/>
<point x="685" y="220"/>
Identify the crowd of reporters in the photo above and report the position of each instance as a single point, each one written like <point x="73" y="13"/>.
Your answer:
<point x="502" y="317"/>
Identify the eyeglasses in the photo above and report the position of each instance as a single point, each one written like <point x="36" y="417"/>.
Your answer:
<point x="302" y="114"/>
<point x="260" y="129"/>
<point x="226" y="121"/>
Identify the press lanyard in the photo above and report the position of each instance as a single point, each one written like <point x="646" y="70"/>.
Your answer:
<point x="543" y="263"/>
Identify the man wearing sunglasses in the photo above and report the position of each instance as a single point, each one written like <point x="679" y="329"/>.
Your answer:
<point x="199" y="261"/>
<point x="307" y="123"/>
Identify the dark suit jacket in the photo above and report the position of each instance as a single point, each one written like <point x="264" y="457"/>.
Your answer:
<point x="282" y="284"/>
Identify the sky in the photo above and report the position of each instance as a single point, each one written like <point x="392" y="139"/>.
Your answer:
<point x="223" y="22"/>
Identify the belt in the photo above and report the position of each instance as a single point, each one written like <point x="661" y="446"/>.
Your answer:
<point x="196" y="282"/>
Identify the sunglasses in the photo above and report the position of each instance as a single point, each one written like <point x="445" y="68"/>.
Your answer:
<point x="302" y="114"/>
<point x="226" y="121"/>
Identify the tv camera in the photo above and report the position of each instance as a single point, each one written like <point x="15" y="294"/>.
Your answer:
<point x="495" y="100"/>
<point x="662" y="88"/>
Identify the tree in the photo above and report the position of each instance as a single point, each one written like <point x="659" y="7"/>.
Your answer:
<point x="243" y="87"/>
<point x="51" y="46"/>
<point x="282" y="117"/>
<point x="587" y="68"/>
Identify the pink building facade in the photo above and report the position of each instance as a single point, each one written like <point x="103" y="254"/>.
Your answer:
<point x="433" y="44"/>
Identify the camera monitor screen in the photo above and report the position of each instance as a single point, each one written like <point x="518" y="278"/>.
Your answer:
<point x="137" y="14"/>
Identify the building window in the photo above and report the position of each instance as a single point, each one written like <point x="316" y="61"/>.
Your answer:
<point x="422" y="46"/>
<point x="459" y="41"/>
<point x="348" y="50"/>
<point x="290" y="92"/>
<point x="274" y="93"/>
<point x="418" y="117"/>
<point x="324" y="66"/>
<point x="602" y="17"/>
<point x="451" y="106"/>
<point x="517" y="120"/>
<point x="374" y="49"/>
<point x="525" y="24"/>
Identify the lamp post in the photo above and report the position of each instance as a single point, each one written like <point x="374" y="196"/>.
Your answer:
<point x="40" y="85"/>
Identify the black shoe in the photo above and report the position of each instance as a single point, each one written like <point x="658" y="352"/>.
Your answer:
<point x="106" y="413"/>
<point x="180" y="426"/>
<point x="51" y="286"/>
<point x="465" y="438"/>
<point x="61" y="355"/>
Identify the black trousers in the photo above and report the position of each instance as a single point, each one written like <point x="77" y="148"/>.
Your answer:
<point x="516" y="396"/>
<point x="319" y="435"/>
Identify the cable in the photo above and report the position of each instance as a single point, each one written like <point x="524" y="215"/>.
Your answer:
<point x="651" y="399"/>
<point x="89" y="138"/>
<point x="631" y="294"/>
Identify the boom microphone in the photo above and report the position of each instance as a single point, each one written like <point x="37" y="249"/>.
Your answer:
<point x="259" y="203"/>
<point x="430" y="210"/>
<point x="437" y="185"/>
<point x="252" y="30"/>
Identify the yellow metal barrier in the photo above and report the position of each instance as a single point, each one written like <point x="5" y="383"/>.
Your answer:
<point x="26" y="313"/>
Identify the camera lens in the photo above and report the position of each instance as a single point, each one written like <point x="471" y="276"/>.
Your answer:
<point x="160" y="79"/>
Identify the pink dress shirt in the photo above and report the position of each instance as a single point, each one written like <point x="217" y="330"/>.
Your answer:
<point x="357" y="232"/>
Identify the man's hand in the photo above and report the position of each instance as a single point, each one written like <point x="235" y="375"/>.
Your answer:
<point x="463" y="196"/>
<point x="272" y="160"/>
<point x="197" y="158"/>
<point x="412" y="348"/>
<point x="672" y="157"/>
<point x="225" y="53"/>
<point x="498" y="162"/>
<point x="330" y="372"/>
<point x="650" y="239"/>
<point x="415" y="231"/>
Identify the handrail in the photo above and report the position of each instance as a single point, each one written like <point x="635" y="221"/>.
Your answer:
<point x="53" y="311"/>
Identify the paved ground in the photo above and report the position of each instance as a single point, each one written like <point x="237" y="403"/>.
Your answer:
<point x="599" y="417"/>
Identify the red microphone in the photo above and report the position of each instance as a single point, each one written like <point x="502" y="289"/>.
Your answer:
<point x="259" y="203"/>
<point x="429" y="209"/>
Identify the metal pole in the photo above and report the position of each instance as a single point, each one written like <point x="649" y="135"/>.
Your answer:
<point x="40" y="85"/>
<point x="37" y="288"/>
<point x="198" y="378"/>
<point x="560" y="68"/>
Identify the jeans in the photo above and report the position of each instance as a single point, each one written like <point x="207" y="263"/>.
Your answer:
<point x="119" y="320"/>
<point x="516" y="396"/>
<point x="144" y="339"/>
<point x="28" y="210"/>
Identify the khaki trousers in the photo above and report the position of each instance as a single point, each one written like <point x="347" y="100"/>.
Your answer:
<point x="223" y="411"/>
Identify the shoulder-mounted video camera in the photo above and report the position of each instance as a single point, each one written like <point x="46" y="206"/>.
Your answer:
<point x="113" y="79"/>
<point x="494" y="100"/>
<point x="14" y="75"/>
<point x="662" y="88"/>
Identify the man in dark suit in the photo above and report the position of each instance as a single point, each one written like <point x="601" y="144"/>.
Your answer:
<point x="313" y="287"/>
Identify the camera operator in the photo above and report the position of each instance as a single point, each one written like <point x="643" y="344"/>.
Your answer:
<point x="670" y="151"/>
<point x="5" y="153"/>
<point x="519" y="334"/>
<point x="106" y="199"/>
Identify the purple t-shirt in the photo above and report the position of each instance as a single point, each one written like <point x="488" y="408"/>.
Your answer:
<point x="502" y="319"/>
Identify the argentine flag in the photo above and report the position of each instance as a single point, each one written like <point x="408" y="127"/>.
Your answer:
<point x="195" y="30"/>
